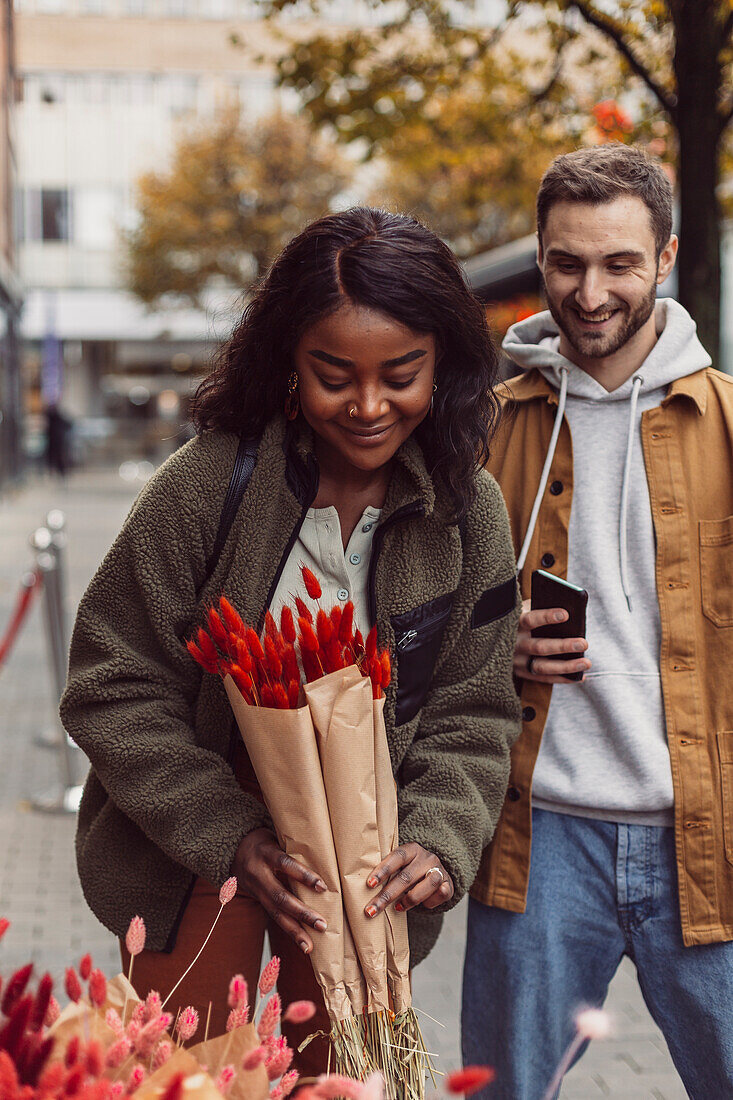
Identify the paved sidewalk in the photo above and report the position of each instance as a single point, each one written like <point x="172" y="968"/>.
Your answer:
<point x="51" y="923"/>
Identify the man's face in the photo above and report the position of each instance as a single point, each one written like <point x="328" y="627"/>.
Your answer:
<point x="601" y="272"/>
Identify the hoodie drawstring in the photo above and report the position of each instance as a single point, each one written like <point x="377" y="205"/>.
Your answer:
<point x="546" y="468"/>
<point x="622" y="548"/>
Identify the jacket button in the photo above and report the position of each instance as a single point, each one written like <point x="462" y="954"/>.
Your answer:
<point x="547" y="560"/>
<point x="513" y="794"/>
<point x="556" y="488"/>
<point x="529" y="714"/>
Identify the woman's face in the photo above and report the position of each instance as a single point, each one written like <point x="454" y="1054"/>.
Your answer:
<point x="365" y="362"/>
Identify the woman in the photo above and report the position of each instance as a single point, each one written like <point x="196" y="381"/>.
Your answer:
<point x="363" y="368"/>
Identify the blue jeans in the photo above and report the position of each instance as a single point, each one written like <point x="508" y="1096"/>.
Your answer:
<point x="597" y="891"/>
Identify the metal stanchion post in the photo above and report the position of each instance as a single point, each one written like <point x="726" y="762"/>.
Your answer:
<point x="67" y="799"/>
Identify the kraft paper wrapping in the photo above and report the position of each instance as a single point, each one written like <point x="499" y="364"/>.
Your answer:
<point x="230" y="1049"/>
<point x="343" y="716"/>
<point x="284" y="754"/>
<point x="398" y="945"/>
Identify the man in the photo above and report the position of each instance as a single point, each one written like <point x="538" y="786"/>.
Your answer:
<point x="622" y="784"/>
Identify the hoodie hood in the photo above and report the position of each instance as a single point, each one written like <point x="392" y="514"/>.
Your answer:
<point x="533" y="344"/>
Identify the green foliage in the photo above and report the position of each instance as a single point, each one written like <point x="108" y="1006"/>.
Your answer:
<point x="232" y="197"/>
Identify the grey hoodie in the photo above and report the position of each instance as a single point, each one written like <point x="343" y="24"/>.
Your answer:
<point x="604" y="749"/>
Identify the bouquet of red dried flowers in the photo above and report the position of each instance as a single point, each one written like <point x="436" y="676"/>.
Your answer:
<point x="308" y="697"/>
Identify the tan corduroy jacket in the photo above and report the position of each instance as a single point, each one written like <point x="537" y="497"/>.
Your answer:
<point x="688" y="453"/>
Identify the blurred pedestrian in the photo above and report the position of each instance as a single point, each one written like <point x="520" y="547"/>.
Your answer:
<point x="58" y="431"/>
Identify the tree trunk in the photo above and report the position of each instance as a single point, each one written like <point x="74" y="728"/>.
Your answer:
<point x="697" y="70"/>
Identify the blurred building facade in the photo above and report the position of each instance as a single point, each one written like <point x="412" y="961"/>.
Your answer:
<point x="103" y="88"/>
<point x="10" y="296"/>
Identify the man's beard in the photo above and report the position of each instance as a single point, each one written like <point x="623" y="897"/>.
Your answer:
<point x="601" y="346"/>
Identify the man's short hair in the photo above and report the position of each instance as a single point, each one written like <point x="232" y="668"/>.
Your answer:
<point x="601" y="174"/>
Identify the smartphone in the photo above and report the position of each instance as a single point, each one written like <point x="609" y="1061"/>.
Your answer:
<point x="551" y="591"/>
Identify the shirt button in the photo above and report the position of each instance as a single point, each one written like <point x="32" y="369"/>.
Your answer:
<point x="355" y="559"/>
<point x="547" y="561"/>
<point x="513" y="794"/>
<point x="529" y="714"/>
<point x="556" y="488"/>
<point x="367" y="527"/>
<point x="343" y="593"/>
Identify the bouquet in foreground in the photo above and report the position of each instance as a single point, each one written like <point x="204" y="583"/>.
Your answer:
<point x="308" y="697"/>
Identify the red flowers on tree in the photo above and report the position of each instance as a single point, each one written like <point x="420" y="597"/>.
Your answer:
<point x="269" y="671"/>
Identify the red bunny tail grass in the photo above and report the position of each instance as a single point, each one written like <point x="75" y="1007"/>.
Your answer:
<point x="346" y="627"/>
<point x="244" y="682"/>
<point x="270" y="626"/>
<point x="41" y="1002"/>
<point x="375" y="674"/>
<point x="293" y="694"/>
<point x="308" y="639"/>
<point x="207" y="665"/>
<point x="371" y="643"/>
<point x="219" y="632"/>
<point x="15" y="988"/>
<point x="333" y="656"/>
<point x="311" y="582"/>
<point x="303" y="610"/>
<point x="281" y="697"/>
<point x="206" y="646"/>
<point x="287" y="625"/>
<point x="267" y="696"/>
<point x="244" y="658"/>
<point x="255" y="645"/>
<point x="290" y="664"/>
<point x="324" y="628"/>
<point x="336" y="615"/>
<point x="358" y="643"/>
<point x="85" y="966"/>
<point x="386" y="663"/>
<point x="311" y="665"/>
<point x="231" y="616"/>
<point x="274" y="664"/>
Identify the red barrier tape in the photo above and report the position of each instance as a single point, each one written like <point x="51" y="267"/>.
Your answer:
<point x="25" y="599"/>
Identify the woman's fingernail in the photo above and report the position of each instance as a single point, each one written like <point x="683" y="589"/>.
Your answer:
<point x="304" y="947"/>
<point x="321" y="887"/>
<point x="320" y="926"/>
<point x="399" y="906"/>
<point x="371" y="881"/>
<point x="371" y="910"/>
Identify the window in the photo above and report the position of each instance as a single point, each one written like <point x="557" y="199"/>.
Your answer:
<point x="45" y="214"/>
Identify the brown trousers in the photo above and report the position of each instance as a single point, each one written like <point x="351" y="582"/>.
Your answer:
<point x="235" y="948"/>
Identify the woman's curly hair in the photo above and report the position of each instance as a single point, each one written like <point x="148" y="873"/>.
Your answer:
<point x="386" y="262"/>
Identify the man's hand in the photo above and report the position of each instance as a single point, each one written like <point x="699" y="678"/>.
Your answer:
<point x="529" y="649"/>
<point x="263" y="869"/>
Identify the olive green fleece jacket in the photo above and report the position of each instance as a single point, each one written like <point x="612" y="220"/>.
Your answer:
<point x="161" y="804"/>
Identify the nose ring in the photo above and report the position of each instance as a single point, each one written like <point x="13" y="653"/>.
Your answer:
<point x="352" y="412"/>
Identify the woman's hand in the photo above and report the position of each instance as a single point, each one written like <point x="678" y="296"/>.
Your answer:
<point x="529" y="651"/>
<point x="263" y="870"/>
<point x="413" y="875"/>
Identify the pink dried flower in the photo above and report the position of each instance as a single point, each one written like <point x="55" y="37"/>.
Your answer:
<point x="153" y="1006"/>
<point x="85" y="966"/>
<point x="117" y="1053"/>
<point x="269" y="976"/>
<point x="113" y="1021"/>
<point x="254" y="1058"/>
<point x="276" y="1093"/>
<point x="163" y="1052"/>
<point x="4" y="925"/>
<point x="151" y="1033"/>
<point x="228" y="891"/>
<point x="299" y="1012"/>
<point x="174" y="1088"/>
<point x="133" y="1029"/>
<point x="373" y="1087"/>
<point x="52" y="1012"/>
<point x="94" y="1059"/>
<point x="289" y="1081"/>
<point x="135" y="938"/>
<point x="332" y="1085"/>
<point x="117" y="1089"/>
<point x="97" y="988"/>
<point x="279" y="1061"/>
<point x="238" y="1017"/>
<point x="135" y="1079"/>
<point x="188" y="1023"/>
<point x="238" y="991"/>
<point x="72" y="985"/>
<point x="270" y="1017"/>
<point x="225" y="1078"/>
<point x="138" y="1013"/>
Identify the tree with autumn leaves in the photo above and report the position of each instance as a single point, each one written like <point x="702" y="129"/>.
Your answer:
<point x="232" y="197"/>
<point x="414" y="83"/>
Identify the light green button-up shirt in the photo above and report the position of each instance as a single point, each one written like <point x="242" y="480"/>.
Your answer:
<point x="343" y="574"/>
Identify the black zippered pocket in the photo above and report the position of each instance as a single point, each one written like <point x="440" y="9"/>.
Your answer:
<point x="418" y="637"/>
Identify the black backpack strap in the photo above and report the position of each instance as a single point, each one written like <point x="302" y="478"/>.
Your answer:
<point x="244" y="464"/>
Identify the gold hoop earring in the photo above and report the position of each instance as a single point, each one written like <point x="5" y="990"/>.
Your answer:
<point x="292" y="401"/>
<point x="352" y="412"/>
